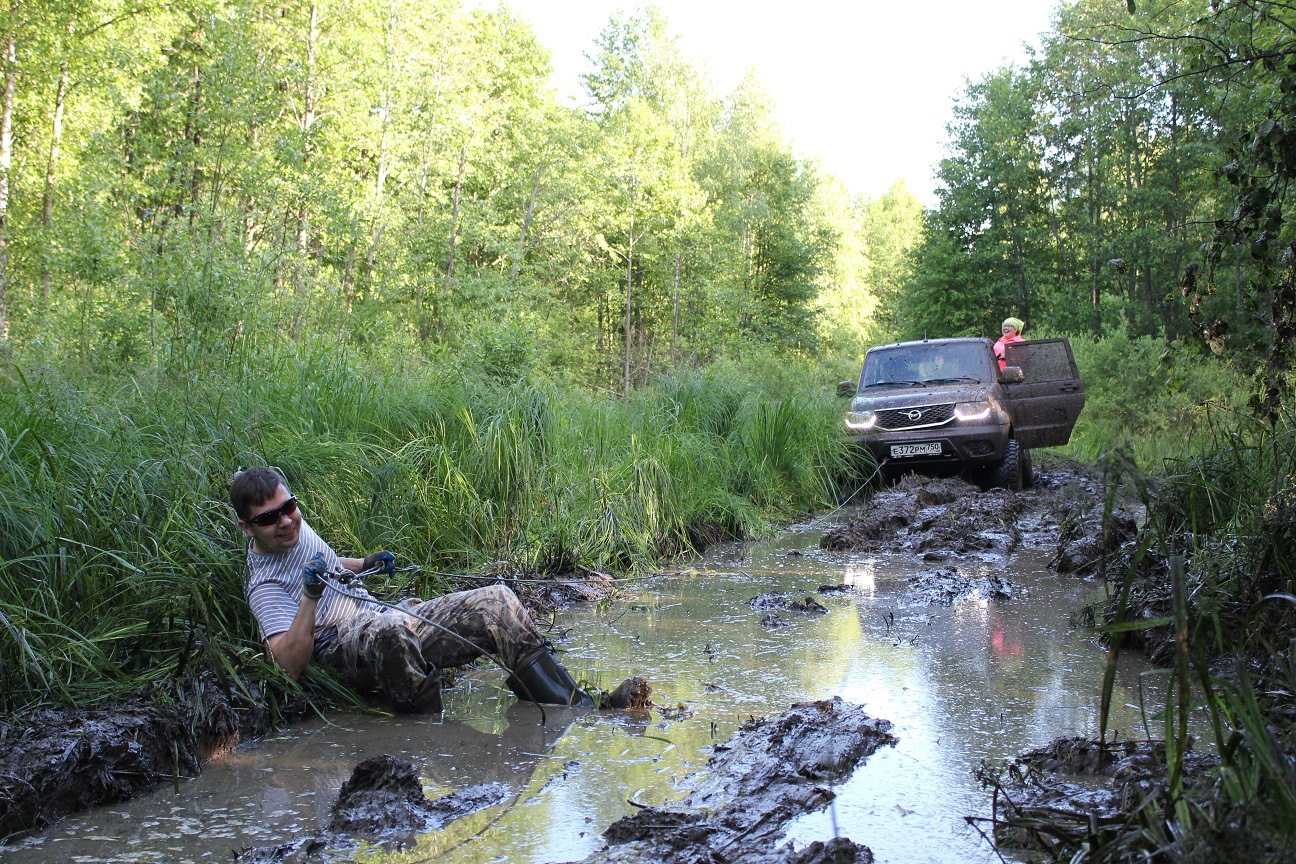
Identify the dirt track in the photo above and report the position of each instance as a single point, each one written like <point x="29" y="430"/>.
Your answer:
<point x="771" y="771"/>
<point x="944" y="521"/>
<point x="60" y="761"/>
<point x="55" y="762"/>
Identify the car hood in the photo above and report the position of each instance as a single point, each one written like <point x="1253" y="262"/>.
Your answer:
<point x="884" y="399"/>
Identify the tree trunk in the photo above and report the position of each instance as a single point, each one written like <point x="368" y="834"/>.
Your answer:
<point x="195" y="141"/>
<point x="629" y="289"/>
<point x="526" y="227"/>
<point x="675" y="283"/>
<point x="1172" y="318"/>
<point x="1095" y="269"/>
<point x="454" y="211"/>
<point x="307" y="123"/>
<point x="47" y="202"/>
<point x="380" y="185"/>
<point x="6" y="160"/>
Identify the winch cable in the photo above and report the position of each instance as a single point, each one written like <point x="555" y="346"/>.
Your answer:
<point x="367" y="598"/>
<point x="487" y="578"/>
<point x="862" y="487"/>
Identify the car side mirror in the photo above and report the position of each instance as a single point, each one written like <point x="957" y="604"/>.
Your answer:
<point x="1012" y="375"/>
<point x="846" y="388"/>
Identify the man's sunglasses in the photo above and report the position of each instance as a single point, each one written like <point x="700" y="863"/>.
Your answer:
<point x="272" y="517"/>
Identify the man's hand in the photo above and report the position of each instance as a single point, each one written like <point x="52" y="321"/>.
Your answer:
<point x="384" y="562"/>
<point x="313" y="577"/>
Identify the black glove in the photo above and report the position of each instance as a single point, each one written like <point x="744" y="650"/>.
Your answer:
<point x="313" y="577"/>
<point x="384" y="562"/>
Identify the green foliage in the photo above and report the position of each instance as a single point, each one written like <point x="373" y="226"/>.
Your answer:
<point x="216" y="173"/>
<point x="975" y="261"/>
<point x="119" y="558"/>
<point x="1080" y="189"/>
<point x="1153" y="399"/>
<point x="1216" y="564"/>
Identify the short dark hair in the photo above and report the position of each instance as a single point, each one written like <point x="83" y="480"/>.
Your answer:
<point x="254" y="487"/>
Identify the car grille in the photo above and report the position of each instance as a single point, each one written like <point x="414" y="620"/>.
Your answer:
<point x="917" y="417"/>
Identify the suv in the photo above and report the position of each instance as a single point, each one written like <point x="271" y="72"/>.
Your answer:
<point x="944" y="406"/>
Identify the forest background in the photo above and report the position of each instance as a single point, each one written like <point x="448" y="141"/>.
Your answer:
<point x="363" y="240"/>
<point x="188" y="181"/>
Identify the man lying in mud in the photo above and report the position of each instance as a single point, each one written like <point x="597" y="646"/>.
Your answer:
<point x="296" y="586"/>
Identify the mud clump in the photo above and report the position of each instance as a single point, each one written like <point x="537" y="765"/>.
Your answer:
<point x="634" y="694"/>
<point x="950" y="588"/>
<point x="382" y="801"/>
<point x="938" y="519"/>
<point x="558" y="592"/>
<point x="773" y="620"/>
<point x="769" y="773"/>
<point x="59" y="761"/>
<point x="931" y="514"/>
<point x="1075" y="792"/>
<point x="383" y="797"/>
<point x="1084" y="540"/>
<point x="782" y="602"/>
<point x="63" y="760"/>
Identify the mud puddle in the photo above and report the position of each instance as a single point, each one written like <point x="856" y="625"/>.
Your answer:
<point x="981" y="678"/>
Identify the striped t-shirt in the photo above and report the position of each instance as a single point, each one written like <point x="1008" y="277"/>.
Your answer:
<point x="274" y="589"/>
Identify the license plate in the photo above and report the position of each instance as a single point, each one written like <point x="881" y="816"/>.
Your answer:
<point x="899" y="451"/>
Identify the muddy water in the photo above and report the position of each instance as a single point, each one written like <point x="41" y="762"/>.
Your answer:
<point x="960" y="684"/>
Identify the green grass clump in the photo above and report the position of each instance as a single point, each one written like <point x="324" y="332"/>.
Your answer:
<point x="120" y="563"/>
<point x="1215" y="580"/>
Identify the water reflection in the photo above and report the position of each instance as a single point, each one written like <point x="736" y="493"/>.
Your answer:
<point x="960" y="684"/>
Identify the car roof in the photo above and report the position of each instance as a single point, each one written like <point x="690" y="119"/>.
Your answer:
<point x="959" y="340"/>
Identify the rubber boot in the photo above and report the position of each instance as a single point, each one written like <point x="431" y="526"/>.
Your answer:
<point x="545" y="680"/>
<point x="427" y="698"/>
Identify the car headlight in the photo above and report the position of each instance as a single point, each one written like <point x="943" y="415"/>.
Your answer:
<point x="973" y="410"/>
<point x="861" y="421"/>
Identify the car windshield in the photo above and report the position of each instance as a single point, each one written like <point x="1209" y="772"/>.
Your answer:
<point x="929" y="363"/>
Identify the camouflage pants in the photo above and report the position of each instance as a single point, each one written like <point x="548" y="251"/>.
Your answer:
<point x="393" y="653"/>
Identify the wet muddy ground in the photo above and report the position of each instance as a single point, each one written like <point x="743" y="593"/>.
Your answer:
<point x="954" y="625"/>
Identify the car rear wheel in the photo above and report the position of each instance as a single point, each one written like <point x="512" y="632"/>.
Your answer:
<point x="1008" y="473"/>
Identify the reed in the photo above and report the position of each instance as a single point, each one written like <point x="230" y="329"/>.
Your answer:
<point x="1216" y="565"/>
<point x="120" y="563"/>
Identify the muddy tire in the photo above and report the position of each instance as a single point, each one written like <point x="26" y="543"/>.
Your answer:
<point x="1008" y="473"/>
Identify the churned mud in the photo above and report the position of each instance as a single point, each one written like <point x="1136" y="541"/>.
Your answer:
<point x="940" y="520"/>
<point x="59" y="761"/>
<point x="1074" y="792"/>
<point x="754" y="784"/>
<point x="780" y="601"/>
<point x="382" y="802"/>
<point x="55" y="762"/>
<point x="775" y="601"/>
<point x="770" y="772"/>
<point x="948" y="587"/>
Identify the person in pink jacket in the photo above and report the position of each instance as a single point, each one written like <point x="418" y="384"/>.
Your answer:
<point x="1012" y="328"/>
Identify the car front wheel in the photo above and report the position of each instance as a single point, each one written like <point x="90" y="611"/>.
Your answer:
<point x="1008" y="473"/>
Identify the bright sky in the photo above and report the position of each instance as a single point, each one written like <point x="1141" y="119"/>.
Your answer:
<point x="864" y="86"/>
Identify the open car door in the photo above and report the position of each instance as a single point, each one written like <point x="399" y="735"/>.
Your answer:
<point x="1047" y="402"/>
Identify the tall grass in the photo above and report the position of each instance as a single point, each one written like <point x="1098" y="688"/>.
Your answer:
<point x="120" y="563"/>
<point x="1219" y="581"/>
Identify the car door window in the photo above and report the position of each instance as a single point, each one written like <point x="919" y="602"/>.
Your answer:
<point x="1042" y="359"/>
